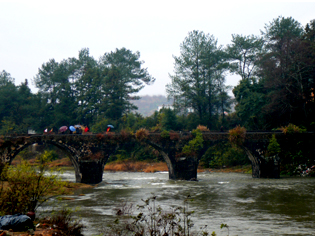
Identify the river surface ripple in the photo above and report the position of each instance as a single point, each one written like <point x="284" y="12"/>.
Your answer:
<point x="284" y="206"/>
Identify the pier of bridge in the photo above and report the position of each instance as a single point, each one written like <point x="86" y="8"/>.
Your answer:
<point x="89" y="153"/>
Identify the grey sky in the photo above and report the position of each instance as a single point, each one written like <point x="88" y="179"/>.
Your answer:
<point x="32" y="32"/>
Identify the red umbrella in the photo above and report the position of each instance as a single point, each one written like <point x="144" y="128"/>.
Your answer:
<point x="63" y="129"/>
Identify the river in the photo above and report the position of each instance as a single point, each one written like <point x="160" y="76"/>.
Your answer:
<point x="284" y="206"/>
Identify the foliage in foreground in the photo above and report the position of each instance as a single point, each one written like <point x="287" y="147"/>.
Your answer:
<point x="24" y="188"/>
<point x="64" y="223"/>
<point x="154" y="221"/>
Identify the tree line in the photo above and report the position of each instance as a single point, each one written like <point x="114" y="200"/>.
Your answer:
<point x="276" y="87"/>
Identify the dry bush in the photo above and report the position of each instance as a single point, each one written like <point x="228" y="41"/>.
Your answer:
<point x="291" y="128"/>
<point x="64" y="224"/>
<point x="203" y="128"/>
<point x="155" y="167"/>
<point x="151" y="219"/>
<point x="61" y="162"/>
<point x="142" y="134"/>
<point x="125" y="209"/>
<point x="113" y="166"/>
<point x="174" y="136"/>
<point x="136" y="166"/>
<point x="125" y="135"/>
<point x="121" y="166"/>
<point x="237" y="135"/>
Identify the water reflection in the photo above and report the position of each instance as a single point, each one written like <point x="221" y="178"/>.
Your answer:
<point x="249" y="206"/>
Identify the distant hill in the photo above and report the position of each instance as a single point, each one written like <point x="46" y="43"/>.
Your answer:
<point x="148" y="104"/>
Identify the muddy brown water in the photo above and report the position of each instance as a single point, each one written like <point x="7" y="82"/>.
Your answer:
<point x="284" y="206"/>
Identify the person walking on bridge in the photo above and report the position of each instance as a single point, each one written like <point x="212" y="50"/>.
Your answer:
<point x="86" y="129"/>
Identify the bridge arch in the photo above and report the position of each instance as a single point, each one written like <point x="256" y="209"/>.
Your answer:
<point x="170" y="148"/>
<point x="71" y="152"/>
<point x="164" y="155"/>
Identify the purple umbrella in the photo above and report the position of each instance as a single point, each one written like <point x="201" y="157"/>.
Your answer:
<point x="63" y="129"/>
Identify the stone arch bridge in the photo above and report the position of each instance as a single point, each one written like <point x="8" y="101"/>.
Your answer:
<point x="89" y="153"/>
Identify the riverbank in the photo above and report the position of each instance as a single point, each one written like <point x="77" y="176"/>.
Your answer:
<point x="150" y="167"/>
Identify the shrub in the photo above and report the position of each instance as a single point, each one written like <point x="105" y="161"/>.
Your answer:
<point x="165" y="134"/>
<point x="174" y="136"/>
<point x="142" y="134"/>
<point x="237" y="135"/>
<point x="125" y="135"/>
<point x="195" y="144"/>
<point x="273" y="147"/>
<point x="291" y="129"/>
<point x="27" y="188"/>
<point x="64" y="224"/>
<point x="153" y="220"/>
<point x="43" y="159"/>
<point x="203" y="128"/>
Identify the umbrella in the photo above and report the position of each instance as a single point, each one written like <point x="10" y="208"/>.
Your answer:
<point x="110" y="126"/>
<point x="72" y="128"/>
<point x="63" y="129"/>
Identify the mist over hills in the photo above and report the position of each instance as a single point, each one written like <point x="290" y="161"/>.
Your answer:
<point x="148" y="104"/>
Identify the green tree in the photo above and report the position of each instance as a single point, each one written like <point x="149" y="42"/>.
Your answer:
<point x="115" y="101"/>
<point x="250" y="96"/>
<point x="8" y="96"/>
<point x="18" y="107"/>
<point x="123" y="77"/>
<point x="55" y="85"/>
<point x="198" y="75"/>
<point x="86" y="91"/>
<point x="169" y="119"/>
<point x="308" y="72"/>
<point x="283" y="69"/>
<point x="87" y="83"/>
<point x="244" y="54"/>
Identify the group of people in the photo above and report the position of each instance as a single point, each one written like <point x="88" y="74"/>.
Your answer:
<point x="50" y="131"/>
<point x="77" y="129"/>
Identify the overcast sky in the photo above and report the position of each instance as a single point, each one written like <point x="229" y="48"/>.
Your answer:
<point x="32" y="32"/>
